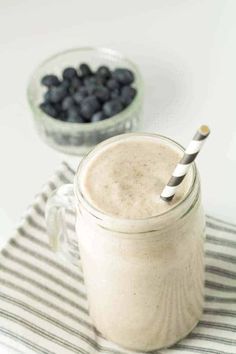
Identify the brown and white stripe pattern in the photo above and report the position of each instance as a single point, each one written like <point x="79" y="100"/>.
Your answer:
<point x="43" y="305"/>
<point x="183" y="166"/>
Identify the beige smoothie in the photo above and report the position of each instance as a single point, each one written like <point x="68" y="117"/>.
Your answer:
<point x="127" y="177"/>
<point x="143" y="258"/>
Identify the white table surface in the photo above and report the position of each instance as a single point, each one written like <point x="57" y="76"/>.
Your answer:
<point x="186" y="51"/>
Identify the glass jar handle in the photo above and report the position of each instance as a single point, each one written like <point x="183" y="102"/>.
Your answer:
<point x="61" y="238"/>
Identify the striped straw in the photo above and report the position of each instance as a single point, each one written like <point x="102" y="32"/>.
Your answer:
<point x="183" y="166"/>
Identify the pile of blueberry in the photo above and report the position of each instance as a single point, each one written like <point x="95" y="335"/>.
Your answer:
<point x="84" y="96"/>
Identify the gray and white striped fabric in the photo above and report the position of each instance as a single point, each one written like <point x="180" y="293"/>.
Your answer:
<point x="43" y="306"/>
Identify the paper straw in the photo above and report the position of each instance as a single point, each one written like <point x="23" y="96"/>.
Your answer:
<point x="183" y="166"/>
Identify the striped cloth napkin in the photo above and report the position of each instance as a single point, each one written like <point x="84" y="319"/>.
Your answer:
<point x="43" y="306"/>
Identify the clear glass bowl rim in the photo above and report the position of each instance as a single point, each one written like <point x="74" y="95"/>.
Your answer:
<point x="120" y="117"/>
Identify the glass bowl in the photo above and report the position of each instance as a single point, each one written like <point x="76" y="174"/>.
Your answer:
<point x="78" y="138"/>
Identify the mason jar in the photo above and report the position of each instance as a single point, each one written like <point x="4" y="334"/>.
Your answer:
<point x="144" y="277"/>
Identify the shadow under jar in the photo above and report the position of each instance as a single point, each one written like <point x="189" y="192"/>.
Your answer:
<point x="79" y="138"/>
<point x="144" y="277"/>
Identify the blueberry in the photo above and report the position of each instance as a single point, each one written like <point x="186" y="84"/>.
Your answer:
<point x="90" y="80"/>
<point x="74" y="117"/>
<point x="92" y="100"/>
<point x="67" y="103"/>
<point x="101" y="80"/>
<point x="47" y="96"/>
<point x="113" y="84"/>
<point x="102" y="93"/>
<point x="62" y="115"/>
<point x="69" y="73"/>
<point x="57" y="106"/>
<point x="79" y="96"/>
<point x="115" y="93"/>
<point x="85" y="70"/>
<point x="89" y="106"/>
<point x="112" y="107"/>
<point x="83" y="90"/>
<point x="65" y="83"/>
<point x="91" y="88"/>
<point x="98" y="116"/>
<point x="58" y="93"/>
<point x="49" y="109"/>
<point x="127" y="94"/>
<point x="103" y="71"/>
<point x="75" y="84"/>
<point x="123" y="76"/>
<point x="50" y="80"/>
<point x="90" y="84"/>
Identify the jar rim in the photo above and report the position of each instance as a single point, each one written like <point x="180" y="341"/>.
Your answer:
<point x="104" y="215"/>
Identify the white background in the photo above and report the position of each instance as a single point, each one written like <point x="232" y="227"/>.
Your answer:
<point x="186" y="51"/>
